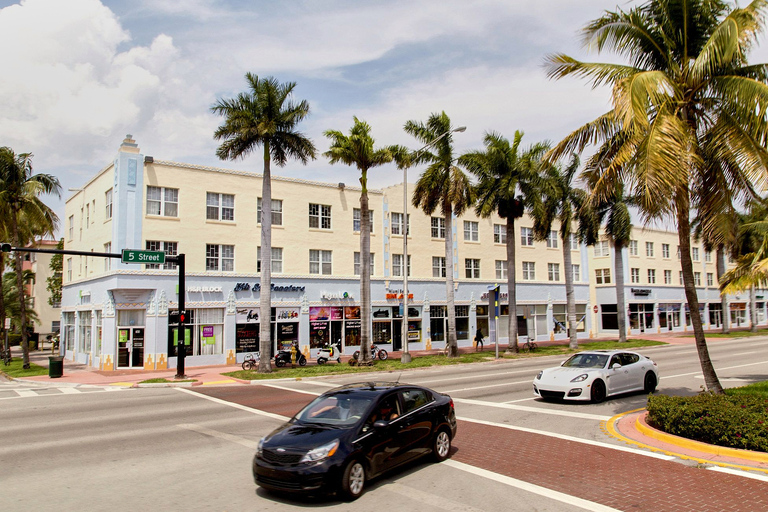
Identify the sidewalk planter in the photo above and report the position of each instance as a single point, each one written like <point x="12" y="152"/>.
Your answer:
<point x="55" y="367"/>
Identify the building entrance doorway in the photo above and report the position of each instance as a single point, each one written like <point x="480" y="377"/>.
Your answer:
<point x="130" y="347"/>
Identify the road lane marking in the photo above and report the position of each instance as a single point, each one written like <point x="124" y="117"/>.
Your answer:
<point x="520" y="400"/>
<point x="581" y="415"/>
<point x="220" y="435"/>
<point x="716" y="369"/>
<point x="286" y="388"/>
<point x="737" y="472"/>
<point x="525" y="486"/>
<point x="488" y="386"/>
<point x="235" y="405"/>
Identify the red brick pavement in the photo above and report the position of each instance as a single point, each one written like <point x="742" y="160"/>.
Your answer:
<point x="621" y="480"/>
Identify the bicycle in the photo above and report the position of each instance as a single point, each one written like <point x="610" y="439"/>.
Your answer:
<point x="530" y="346"/>
<point x="251" y="361"/>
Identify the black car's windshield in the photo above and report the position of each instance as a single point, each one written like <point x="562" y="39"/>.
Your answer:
<point x="586" y="361"/>
<point x="337" y="410"/>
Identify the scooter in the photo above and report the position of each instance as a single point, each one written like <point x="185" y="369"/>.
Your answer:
<point x="329" y="352"/>
<point x="283" y="358"/>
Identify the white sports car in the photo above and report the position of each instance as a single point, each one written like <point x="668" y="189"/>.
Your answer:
<point x="597" y="374"/>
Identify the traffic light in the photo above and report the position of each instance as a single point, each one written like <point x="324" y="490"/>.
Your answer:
<point x="182" y="317"/>
<point x="6" y="248"/>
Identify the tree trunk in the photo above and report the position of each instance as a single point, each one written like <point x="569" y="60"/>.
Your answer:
<point x="621" y="306"/>
<point x="752" y="309"/>
<point x="512" y="347"/>
<point x="365" y="272"/>
<point x="265" y="294"/>
<point x="684" y="236"/>
<point x="3" y="338"/>
<point x="725" y="316"/>
<point x="570" y="298"/>
<point x="451" y="334"/>
<point x="22" y="291"/>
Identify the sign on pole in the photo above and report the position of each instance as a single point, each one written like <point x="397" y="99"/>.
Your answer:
<point x="134" y="256"/>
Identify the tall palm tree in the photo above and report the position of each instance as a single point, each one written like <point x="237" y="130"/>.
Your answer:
<point x="569" y="204"/>
<point x="507" y="186"/>
<point x="686" y="98"/>
<point x="26" y="214"/>
<point x="265" y="116"/>
<point x="445" y="187"/>
<point x="358" y="149"/>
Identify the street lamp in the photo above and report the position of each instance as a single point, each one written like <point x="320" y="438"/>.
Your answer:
<point x="406" y="355"/>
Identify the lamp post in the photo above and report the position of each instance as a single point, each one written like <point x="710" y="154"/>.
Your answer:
<point x="406" y="356"/>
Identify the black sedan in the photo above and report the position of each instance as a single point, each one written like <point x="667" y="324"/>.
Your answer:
<point x="352" y="434"/>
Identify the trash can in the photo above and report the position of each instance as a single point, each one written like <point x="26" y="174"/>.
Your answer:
<point x="55" y="367"/>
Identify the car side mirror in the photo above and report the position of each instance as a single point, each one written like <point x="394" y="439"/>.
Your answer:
<point x="380" y="424"/>
<point x="616" y="366"/>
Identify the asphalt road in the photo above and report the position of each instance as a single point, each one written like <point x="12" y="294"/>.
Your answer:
<point x="171" y="449"/>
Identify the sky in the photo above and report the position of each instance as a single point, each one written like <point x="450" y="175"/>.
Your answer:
<point x="78" y="75"/>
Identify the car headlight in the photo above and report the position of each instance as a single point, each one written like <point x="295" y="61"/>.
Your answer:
<point x="580" y="378"/>
<point x="538" y="377"/>
<point x="260" y="447"/>
<point x="321" y="452"/>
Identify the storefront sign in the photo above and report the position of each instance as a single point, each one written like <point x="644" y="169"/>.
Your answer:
<point x="286" y="313"/>
<point x="207" y="331"/>
<point x="502" y="296"/>
<point x="274" y="287"/>
<point x="246" y="315"/>
<point x="336" y="296"/>
<point x="641" y="291"/>
<point x="204" y="289"/>
<point x="398" y="296"/>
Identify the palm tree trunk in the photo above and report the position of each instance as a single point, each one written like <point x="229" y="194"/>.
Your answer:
<point x="753" y="309"/>
<point x="684" y="237"/>
<point x="451" y="334"/>
<point x="725" y="316"/>
<point x="365" y="272"/>
<point x="22" y="292"/>
<point x="621" y="306"/>
<point x="265" y="294"/>
<point x="512" y="346"/>
<point x="570" y="299"/>
<point x="3" y="339"/>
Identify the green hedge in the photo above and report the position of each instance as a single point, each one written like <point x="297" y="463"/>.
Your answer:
<point x="734" y="421"/>
<point x="14" y="340"/>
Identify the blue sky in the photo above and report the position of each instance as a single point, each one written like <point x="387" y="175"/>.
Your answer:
<point x="78" y="75"/>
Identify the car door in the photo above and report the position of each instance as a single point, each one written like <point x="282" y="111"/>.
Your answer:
<point x="618" y="378"/>
<point x="635" y="370"/>
<point x="416" y="424"/>
<point x="383" y="447"/>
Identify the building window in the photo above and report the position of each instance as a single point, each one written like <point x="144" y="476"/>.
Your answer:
<point x="499" y="234"/>
<point x="526" y="236"/>
<point x="634" y="275"/>
<point x="697" y="278"/>
<point x="219" y="206"/>
<point x="471" y="231"/>
<point x="573" y="241"/>
<point x="319" y="216"/>
<point x="320" y="262"/>
<point x="501" y="269"/>
<point x="397" y="265"/>
<point x="71" y="227"/>
<point x="69" y="269"/>
<point x="220" y="257"/>
<point x="529" y="271"/>
<point x="678" y="253"/>
<point x="576" y="273"/>
<point x="681" y="277"/>
<point x="108" y="261"/>
<point x="438" y="227"/>
<point x="649" y="249"/>
<point x="667" y="277"/>
<point x="651" y="276"/>
<point x="552" y="239"/>
<point x="276" y="261"/>
<point x="601" y="248"/>
<point x="695" y="253"/>
<point x="710" y="279"/>
<point x="665" y="251"/>
<point x="708" y="256"/>
<point x="277" y="211"/>
<point x="553" y="271"/>
<point x="87" y="215"/>
<point x="438" y="266"/>
<point x="633" y="247"/>
<point x="108" y="203"/>
<point x="357" y="263"/>
<point x="169" y="248"/>
<point x="603" y="276"/>
<point x="356" y="219"/>
<point x="472" y="268"/>
<point x="162" y="201"/>
<point x="397" y="224"/>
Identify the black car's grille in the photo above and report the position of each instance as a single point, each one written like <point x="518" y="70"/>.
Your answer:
<point x="551" y="394"/>
<point x="274" y="457"/>
<point x="281" y="484"/>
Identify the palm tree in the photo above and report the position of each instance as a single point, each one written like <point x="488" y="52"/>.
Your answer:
<point x="567" y="203"/>
<point x="507" y="185"/>
<point x="445" y="187"/>
<point x="686" y="98"/>
<point x="264" y="116"/>
<point x="358" y="149"/>
<point x="26" y="215"/>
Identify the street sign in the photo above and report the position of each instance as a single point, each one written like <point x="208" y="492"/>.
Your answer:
<point x="133" y="256"/>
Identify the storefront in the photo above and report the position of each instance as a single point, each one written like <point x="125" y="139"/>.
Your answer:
<point x="334" y="324"/>
<point x="641" y="316"/>
<point x="284" y="327"/>
<point x="669" y="315"/>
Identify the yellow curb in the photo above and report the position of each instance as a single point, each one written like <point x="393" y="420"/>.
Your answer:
<point x="123" y="384"/>
<point x="615" y="433"/>
<point x="230" y="381"/>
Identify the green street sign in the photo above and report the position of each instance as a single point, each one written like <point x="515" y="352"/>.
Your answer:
<point x="132" y="256"/>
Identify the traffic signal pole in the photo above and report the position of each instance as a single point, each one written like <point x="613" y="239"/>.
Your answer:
<point x="182" y="337"/>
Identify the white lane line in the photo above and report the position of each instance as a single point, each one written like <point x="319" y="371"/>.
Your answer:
<point x="484" y="375"/>
<point x="737" y="472"/>
<point x="565" y="437"/>
<point x="236" y="406"/>
<point x="745" y="353"/>
<point x="285" y="388"/>
<point x="717" y="369"/>
<point x="69" y="391"/>
<point x="525" y="486"/>
<point x="537" y="410"/>
<point x="220" y="435"/>
<point x="26" y="392"/>
<point x="521" y="400"/>
<point x="459" y="390"/>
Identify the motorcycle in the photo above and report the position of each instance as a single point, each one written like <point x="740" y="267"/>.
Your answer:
<point x="283" y="358"/>
<point x="329" y="352"/>
<point x="375" y="352"/>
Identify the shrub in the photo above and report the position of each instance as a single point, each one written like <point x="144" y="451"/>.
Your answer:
<point x="734" y="421"/>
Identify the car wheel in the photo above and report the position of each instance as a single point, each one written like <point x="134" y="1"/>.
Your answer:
<point x="598" y="392"/>
<point x="650" y="382"/>
<point x="383" y="354"/>
<point x="353" y="480"/>
<point x="441" y="446"/>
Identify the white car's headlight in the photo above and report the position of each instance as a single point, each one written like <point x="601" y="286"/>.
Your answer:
<point x="538" y="377"/>
<point x="260" y="447"/>
<point x="580" y="378"/>
<point x="321" y="452"/>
